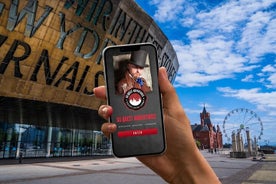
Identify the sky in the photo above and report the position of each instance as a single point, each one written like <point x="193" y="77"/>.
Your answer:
<point x="227" y="55"/>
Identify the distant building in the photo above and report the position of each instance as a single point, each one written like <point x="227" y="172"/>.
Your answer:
<point x="209" y="136"/>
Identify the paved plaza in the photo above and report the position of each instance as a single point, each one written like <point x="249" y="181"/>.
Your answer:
<point x="129" y="170"/>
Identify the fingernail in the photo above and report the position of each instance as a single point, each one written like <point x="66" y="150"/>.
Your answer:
<point x="164" y="73"/>
<point x="111" y="127"/>
<point x="105" y="109"/>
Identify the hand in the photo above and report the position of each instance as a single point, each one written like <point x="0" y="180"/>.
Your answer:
<point x="182" y="162"/>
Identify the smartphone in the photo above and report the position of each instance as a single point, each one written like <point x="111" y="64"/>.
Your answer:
<point x="131" y="76"/>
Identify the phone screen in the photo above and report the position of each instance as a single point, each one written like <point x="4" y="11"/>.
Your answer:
<point x="131" y="74"/>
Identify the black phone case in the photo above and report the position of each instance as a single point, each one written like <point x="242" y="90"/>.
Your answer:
<point x="136" y="102"/>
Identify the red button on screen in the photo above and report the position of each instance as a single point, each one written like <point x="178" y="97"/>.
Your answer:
<point x="142" y="132"/>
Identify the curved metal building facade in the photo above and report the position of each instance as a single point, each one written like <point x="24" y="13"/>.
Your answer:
<point x="50" y="61"/>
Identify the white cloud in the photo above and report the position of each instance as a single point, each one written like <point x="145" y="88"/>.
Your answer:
<point x="207" y="60"/>
<point x="223" y="41"/>
<point x="265" y="101"/>
<point x="272" y="79"/>
<point x="268" y="76"/>
<point x="248" y="78"/>
<point x="258" y="36"/>
<point x="227" y="16"/>
<point x="167" y="10"/>
<point x="269" y="68"/>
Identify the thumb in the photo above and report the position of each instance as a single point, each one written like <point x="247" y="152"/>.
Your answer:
<point x="169" y="96"/>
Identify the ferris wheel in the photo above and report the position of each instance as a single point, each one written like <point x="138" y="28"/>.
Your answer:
<point x="240" y="120"/>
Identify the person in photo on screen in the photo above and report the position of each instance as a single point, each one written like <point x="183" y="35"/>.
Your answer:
<point x="132" y="73"/>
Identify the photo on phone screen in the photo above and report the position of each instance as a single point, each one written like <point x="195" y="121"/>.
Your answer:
<point x="132" y="71"/>
<point x="131" y="74"/>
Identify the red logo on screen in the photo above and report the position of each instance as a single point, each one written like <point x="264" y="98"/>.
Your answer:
<point x="135" y="98"/>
